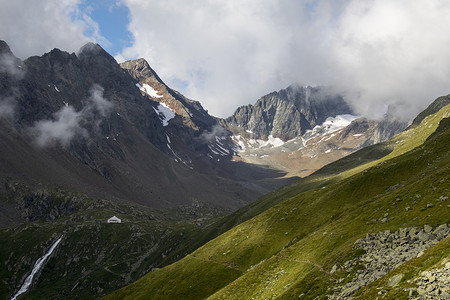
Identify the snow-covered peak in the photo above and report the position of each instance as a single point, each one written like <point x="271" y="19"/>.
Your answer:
<point x="149" y="90"/>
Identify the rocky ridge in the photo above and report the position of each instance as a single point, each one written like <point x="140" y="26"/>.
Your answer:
<point x="288" y="113"/>
<point x="384" y="251"/>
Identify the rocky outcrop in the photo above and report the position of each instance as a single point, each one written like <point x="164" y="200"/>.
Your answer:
<point x="288" y="113"/>
<point x="433" y="284"/>
<point x="384" y="252"/>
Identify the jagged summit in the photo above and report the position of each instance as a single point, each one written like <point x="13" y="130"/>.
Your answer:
<point x="141" y="67"/>
<point x="289" y="112"/>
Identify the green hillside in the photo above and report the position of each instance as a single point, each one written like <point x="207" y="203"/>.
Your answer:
<point x="290" y="249"/>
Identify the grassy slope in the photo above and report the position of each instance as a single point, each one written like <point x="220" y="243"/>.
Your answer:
<point x="289" y="249"/>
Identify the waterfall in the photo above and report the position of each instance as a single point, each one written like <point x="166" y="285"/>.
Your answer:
<point x="37" y="267"/>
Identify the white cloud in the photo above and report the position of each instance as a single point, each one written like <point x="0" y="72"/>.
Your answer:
<point x="97" y="102"/>
<point x="36" y="27"/>
<point x="226" y="53"/>
<point x="209" y="136"/>
<point x="229" y="53"/>
<point x="11" y="66"/>
<point x="7" y="108"/>
<point x="64" y="127"/>
<point x="68" y="124"/>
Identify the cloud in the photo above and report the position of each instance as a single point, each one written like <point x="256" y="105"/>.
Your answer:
<point x="97" y="103"/>
<point x="12" y="66"/>
<point x="36" y="27"/>
<point x="7" y="108"/>
<point x="63" y="128"/>
<point x="68" y="124"/>
<point x="229" y="53"/>
<point x="210" y="136"/>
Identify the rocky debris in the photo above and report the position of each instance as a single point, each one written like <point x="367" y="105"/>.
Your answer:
<point x="385" y="251"/>
<point x="434" y="284"/>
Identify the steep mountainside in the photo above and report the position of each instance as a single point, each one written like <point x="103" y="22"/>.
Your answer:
<point x="330" y="232"/>
<point x="81" y="123"/>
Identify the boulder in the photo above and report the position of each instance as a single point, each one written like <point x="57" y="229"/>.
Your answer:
<point x="394" y="280"/>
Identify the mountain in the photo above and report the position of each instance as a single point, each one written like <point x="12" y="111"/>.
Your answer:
<point x="288" y="113"/>
<point x="80" y="142"/>
<point x="374" y="224"/>
<point x="83" y="116"/>
<point x="83" y="139"/>
<point x="300" y="129"/>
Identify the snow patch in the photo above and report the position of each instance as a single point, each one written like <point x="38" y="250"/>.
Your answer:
<point x="333" y="124"/>
<point x="165" y="113"/>
<point x="149" y="90"/>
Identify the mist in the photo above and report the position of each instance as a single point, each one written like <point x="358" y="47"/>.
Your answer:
<point x="68" y="124"/>
<point x="210" y="136"/>
<point x="7" y="108"/>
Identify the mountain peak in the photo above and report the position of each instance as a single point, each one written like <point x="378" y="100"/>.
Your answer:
<point x="289" y="112"/>
<point x="93" y="50"/>
<point x="141" y="68"/>
<point x="4" y="48"/>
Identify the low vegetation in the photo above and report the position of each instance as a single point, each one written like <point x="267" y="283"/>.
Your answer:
<point x="290" y="249"/>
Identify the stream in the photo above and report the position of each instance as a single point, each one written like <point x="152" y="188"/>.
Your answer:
<point x="37" y="267"/>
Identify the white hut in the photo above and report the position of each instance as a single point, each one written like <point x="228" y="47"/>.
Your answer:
<point x="114" y="219"/>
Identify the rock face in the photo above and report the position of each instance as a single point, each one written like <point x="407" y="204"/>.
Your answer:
<point x="80" y="122"/>
<point x="433" y="284"/>
<point x="191" y="112"/>
<point x="289" y="113"/>
<point x="386" y="251"/>
<point x="192" y="132"/>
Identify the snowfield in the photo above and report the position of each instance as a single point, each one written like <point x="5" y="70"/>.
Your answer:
<point x="165" y="113"/>
<point x="149" y="90"/>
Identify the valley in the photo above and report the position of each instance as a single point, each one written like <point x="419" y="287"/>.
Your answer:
<point x="269" y="202"/>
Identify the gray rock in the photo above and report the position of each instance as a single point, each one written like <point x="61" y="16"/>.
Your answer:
<point x="386" y="251"/>
<point x="334" y="269"/>
<point x="288" y="113"/>
<point x="351" y="290"/>
<point x="394" y="280"/>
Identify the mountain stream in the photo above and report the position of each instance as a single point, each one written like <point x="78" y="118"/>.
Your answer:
<point x="37" y="267"/>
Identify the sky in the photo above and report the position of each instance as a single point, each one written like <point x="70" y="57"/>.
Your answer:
<point x="228" y="53"/>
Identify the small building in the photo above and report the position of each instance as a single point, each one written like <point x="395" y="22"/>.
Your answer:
<point x="114" y="219"/>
